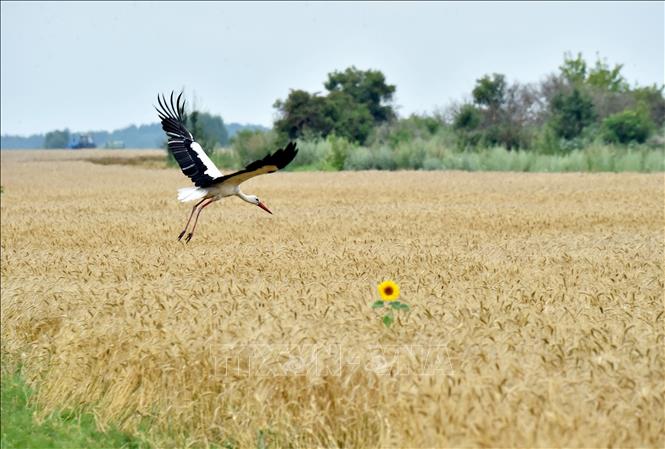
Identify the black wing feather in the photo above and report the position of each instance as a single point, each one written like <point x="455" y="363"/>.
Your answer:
<point x="180" y="141"/>
<point x="279" y="159"/>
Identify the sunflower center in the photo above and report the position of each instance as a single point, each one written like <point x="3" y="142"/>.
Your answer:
<point x="388" y="290"/>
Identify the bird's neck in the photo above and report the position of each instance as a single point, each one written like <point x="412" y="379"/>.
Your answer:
<point x="243" y="197"/>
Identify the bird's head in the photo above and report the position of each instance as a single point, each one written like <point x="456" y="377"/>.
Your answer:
<point x="255" y="200"/>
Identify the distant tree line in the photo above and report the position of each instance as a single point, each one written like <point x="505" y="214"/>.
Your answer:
<point x="208" y="129"/>
<point x="585" y="112"/>
<point x="57" y="139"/>
<point x="354" y="124"/>
<point x="578" y="104"/>
<point x="142" y="136"/>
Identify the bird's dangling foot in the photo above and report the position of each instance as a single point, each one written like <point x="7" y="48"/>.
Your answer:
<point x="181" y="234"/>
<point x="189" y="237"/>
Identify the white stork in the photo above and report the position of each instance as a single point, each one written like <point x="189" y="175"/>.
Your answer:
<point x="210" y="184"/>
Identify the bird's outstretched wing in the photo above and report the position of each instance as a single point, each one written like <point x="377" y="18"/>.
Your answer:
<point x="187" y="152"/>
<point x="269" y="164"/>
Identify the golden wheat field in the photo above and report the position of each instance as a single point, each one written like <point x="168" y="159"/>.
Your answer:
<point x="536" y="305"/>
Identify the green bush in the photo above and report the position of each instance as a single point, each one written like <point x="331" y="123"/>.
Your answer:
<point x="657" y="139"/>
<point x="312" y="154"/>
<point x="576" y="161"/>
<point x="627" y="126"/>
<point x="630" y="161"/>
<point x="252" y="145"/>
<point x="375" y="158"/>
<point x="601" y="158"/>
<point x="383" y="159"/>
<point x="406" y="130"/>
<point x="498" y="159"/>
<point x="359" y="159"/>
<point x="654" y="161"/>
<point x="225" y="158"/>
<point x="338" y="152"/>
<point x="432" y="163"/>
<point x="410" y="154"/>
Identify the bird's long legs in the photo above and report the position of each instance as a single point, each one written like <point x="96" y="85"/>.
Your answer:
<point x="196" y="219"/>
<point x="190" y="218"/>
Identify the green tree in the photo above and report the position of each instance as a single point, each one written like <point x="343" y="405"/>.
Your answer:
<point x="467" y="117"/>
<point x="571" y="113"/>
<point x="367" y="87"/>
<point x="627" y="126"/>
<point x="207" y="129"/>
<point x="466" y="123"/>
<point x="650" y="98"/>
<point x="204" y="138"/>
<point x="577" y="72"/>
<point x="490" y="91"/>
<point x="57" y="139"/>
<point x="605" y="78"/>
<point x="573" y="70"/>
<point x="490" y="95"/>
<point x="499" y="116"/>
<point x="357" y="101"/>
<point x="214" y="127"/>
<point x="302" y="113"/>
<point x="349" y="119"/>
<point x="604" y="85"/>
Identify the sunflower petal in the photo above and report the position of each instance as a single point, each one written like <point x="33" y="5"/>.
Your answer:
<point x="388" y="290"/>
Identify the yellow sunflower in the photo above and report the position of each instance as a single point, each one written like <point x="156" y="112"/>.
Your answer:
<point x="388" y="290"/>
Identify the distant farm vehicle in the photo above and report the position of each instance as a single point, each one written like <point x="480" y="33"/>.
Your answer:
<point x="82" y="141"/>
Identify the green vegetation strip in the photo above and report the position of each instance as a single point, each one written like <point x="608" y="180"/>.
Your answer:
<point x="331" y="154"/>
<point x="60" y="430"/>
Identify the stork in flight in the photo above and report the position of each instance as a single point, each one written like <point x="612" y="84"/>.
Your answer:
<point x="211" y="184"/>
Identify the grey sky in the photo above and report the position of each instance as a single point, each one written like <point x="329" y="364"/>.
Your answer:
<point x="90" y="66"/>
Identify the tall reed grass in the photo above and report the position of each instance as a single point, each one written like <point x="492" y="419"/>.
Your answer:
<point x="437" y="154"/>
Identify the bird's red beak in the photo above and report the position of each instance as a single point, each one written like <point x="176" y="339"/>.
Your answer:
<point x="264" y="207"/>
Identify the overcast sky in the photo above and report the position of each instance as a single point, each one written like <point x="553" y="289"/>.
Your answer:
<point x="99" y="66"/>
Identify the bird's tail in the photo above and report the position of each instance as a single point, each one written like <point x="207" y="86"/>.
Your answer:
<point x="191" y="193"/>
